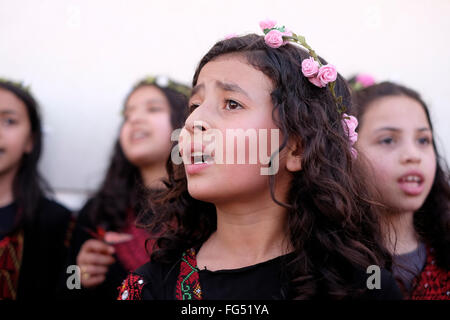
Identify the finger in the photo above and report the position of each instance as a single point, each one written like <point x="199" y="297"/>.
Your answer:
<point x="95" y="259"/>
<point x="93" y="270"/>
<point x="93" y="245"/>
<point x="92" y="281"/>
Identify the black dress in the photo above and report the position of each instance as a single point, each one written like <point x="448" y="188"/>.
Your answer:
<point x="268" y="280"/>
<point x="45" y="245"/>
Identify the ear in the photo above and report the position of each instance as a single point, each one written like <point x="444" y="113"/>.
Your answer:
<point x="294" y="156"/>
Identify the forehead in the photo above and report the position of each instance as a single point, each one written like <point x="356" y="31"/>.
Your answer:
<point x="146" y="94"/>
<point x="233" y="68"/>
<point x="395" y="111"/>
<point x="9" y="102"/>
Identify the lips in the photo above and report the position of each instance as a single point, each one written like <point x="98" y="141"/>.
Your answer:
<point x="412" y="183"/>
<point x="197" y="158"/>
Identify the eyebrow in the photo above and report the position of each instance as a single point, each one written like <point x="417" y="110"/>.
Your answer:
<point x="148" y="102"/>
<point x="231" y="87"/>
<point x="398" y="130"/>
<point x="6" y="112"/>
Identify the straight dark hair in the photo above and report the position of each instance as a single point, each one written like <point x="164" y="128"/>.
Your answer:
<point x="29" y="187"/>
<point x="432" y="219"/>
<point x="123" y="187"/>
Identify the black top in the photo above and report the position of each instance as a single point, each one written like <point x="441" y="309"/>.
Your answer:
<point x="263" y="281"/>
<point x="44" y="249"/>
<point x="7" y="219"/>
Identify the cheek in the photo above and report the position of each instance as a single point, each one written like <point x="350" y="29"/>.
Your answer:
<point x="161" y="126"/>
<point x="17" y="138"/>
<point x="123" y="135"/>
<point x="381" y="166"/>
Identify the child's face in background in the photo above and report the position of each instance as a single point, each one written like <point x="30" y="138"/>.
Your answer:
<point x="15" y="131"/>
<point x="145" y="134"/>
<point x="230" y="94"/>
<point x="396" y="138"/>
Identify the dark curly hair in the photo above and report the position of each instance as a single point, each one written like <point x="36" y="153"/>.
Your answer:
<point x="332" y="222"/>
<point x="432" y="220"/>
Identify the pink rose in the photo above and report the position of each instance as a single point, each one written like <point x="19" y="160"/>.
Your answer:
<point x="315" y="81"/>
<point x="350" y="123"/>
<point x="287" y="33"/>
<point x="327" y="74"/>
<point x="274" y="39"/>
<point x="267" y="24"/>
<point x="366" y="80"/>
<point x="310" y="67"/>
<point x="231" y="35"/>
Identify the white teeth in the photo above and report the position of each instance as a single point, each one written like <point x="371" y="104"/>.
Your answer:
<point x="197" y="154"/>
<point x="139" y="135"/>
<point x="412" y="179"/>
<point x="199" y="158"/>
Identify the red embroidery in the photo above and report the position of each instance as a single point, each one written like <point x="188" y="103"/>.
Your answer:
<point x="131" y="288"/>
<point x="11" y="249"/>
<point x="188" y="284"/>
<point x="433" y="283"/>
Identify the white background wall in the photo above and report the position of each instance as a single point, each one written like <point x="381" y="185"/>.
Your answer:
<point x="81" y="58"/>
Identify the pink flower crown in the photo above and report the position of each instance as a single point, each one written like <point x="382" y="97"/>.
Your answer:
<point x="312" y="68"/>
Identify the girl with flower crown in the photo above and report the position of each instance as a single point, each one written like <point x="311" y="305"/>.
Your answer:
<point x="34" y="230"/>
<point x="106" y="242"/>
<point x="226" y="231"/>
<point x="396" y="135"/>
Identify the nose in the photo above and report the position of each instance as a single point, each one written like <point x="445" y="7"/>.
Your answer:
<point x="135" y="117"/>
<point x="196" y="122"/>
<point x="410" y="154"/>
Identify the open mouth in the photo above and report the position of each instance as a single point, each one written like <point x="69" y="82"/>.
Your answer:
<point x="201" y="158"/>
<point x="412" y="183"/>
<point x="413" y="179"/>
<point x="138" y="135"/>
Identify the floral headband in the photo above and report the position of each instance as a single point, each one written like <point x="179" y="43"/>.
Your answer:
<point x="17" y="84"/>
<point x="165" y="82"/>
<point x="361" y="81"/>
<point x="312" y="68"/>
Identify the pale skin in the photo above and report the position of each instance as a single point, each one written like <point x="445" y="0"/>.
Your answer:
<point x="15" y="141"/>
<point x="396" y="138"/>
<point x="145" y="140"/>
<point x="251" y="227"/>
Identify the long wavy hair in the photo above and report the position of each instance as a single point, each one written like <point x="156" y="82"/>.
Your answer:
<point x="432" y="219"/>
<point x="29" y="187"/>
<point x="123" y="187"/>
<point x="332" y="222"/>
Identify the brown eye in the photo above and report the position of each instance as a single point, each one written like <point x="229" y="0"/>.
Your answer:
<point x="232" y="105"/>
<point x="192" y="107"/>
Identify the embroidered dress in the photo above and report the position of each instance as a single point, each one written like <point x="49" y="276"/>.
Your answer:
<point x="11" y="249"/>
<point x="433" y="283"/>
<point x="268" y="280"/>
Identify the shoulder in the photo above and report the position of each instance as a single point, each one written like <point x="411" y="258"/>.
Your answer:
<point x="84" y="214"/>
<point x="52" y="212"/>
<point x="151" y="281"/>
